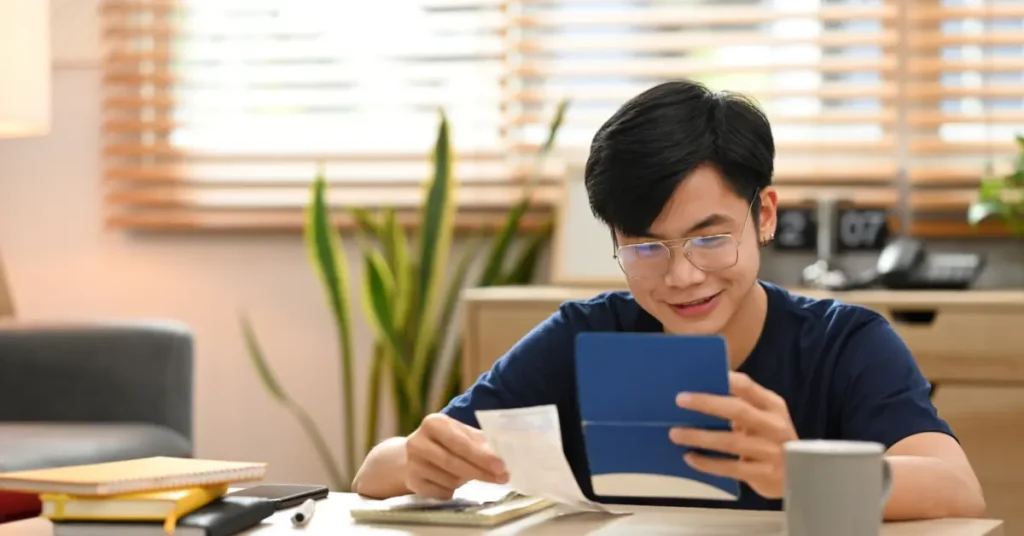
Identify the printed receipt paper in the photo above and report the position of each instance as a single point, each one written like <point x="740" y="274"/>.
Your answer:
<point x="529" y="440"/>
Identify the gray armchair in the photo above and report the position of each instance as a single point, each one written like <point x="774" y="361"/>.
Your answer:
<point x="94" y="392"/>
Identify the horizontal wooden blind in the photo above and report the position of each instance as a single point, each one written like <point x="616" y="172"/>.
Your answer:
<point x="965" y="70"/>
<point x="219" y="112"/>
<point x="825" y="72"/>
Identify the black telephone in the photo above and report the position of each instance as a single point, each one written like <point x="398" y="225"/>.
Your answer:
<point x="904" y="265"/>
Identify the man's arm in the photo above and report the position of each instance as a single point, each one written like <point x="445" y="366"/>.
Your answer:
<point x="932" y="478"/>
<point x="382" y="474"/>
<point x="531" y="373"/>
<point x="887" y="399"/>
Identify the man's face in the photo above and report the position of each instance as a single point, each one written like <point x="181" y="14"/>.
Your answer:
<point x="686" y="299"/>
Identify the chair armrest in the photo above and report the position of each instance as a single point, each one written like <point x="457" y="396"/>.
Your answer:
<point x="97" y="372"/>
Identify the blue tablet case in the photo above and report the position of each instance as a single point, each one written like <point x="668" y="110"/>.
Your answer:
<point x="627" y="385"/>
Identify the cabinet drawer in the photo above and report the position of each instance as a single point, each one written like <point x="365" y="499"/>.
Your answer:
<point x="986" y="420"/>
<point x="961" y="343"/>
<point x="493" y="329"/>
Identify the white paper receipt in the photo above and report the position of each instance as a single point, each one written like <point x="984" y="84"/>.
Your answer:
<point x="529" y="440"/>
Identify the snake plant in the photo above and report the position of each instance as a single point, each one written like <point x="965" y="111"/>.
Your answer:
<point x="409" y="298"/>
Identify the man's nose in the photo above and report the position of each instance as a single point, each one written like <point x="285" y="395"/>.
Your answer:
<point x="681" y="271"/>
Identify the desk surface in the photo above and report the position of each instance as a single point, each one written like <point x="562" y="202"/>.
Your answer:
<point x="331" y="518"/>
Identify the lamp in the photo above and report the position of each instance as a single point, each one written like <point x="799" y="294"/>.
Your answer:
<point x="25" y="79"/>
<point x="24" y="68"/>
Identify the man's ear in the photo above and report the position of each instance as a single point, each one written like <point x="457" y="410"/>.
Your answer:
<point x="769" y="214"/>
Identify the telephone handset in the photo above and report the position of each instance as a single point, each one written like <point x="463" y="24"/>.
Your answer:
<point x="904" y="264"/>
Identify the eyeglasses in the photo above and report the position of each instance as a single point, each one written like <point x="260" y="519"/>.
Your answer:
<point x="650" y="260"/>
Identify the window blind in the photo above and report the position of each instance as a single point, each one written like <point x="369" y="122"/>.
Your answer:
<point x="966" y="104"/>
<point x="218" y="113"/>
<point x="824" y="71"/>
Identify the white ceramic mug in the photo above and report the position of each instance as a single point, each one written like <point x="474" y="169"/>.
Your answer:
<point x="835" y="488"/>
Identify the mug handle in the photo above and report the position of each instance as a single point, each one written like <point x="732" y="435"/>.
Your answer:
<point x="886" y="481"/>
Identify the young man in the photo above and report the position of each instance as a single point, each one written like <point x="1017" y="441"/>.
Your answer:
<point x="682" y="176"/>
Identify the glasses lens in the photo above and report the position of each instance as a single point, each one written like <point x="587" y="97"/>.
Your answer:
<point x="713" y="252"/>
<point x="644" y="260"/>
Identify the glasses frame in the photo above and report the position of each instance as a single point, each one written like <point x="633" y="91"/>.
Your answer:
<point x="681" y="243"/>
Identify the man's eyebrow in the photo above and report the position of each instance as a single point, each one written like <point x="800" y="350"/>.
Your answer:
<point x="710" y="221"/>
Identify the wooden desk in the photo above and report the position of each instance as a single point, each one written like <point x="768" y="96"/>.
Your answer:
<point x="969" y="344"/>
<point x="331" y="519"/>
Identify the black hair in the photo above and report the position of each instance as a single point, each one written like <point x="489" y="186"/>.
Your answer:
<point x="644" y="151"/>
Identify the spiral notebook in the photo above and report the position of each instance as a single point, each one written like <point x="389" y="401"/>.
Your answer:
<point x="474" y="504"/>
<point x="131" y="476"/>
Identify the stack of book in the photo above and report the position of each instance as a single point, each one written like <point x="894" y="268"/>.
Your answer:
<point x="157" y="495"/>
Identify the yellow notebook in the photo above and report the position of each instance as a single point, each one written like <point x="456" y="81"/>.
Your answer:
<point x="131" y="476"/>
<point x="167" y="506"/>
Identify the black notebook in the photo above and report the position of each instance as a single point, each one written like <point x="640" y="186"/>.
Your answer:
<point x="226" y="516"/>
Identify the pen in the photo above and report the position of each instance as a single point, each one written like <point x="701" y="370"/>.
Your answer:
<point x="305" y="513"/>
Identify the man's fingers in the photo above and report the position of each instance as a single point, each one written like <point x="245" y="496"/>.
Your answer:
<point x="429" y="452"/>
<point x="750" y="447"/>
<point x="730" y="408"/>
<point x="474" y="434"/>
<point x="473" y="452"/>
<point x="441" y="476"/>
<point x="425" y="488"/>
<point x="744" y="470"/>
<point x="742" y="386"/>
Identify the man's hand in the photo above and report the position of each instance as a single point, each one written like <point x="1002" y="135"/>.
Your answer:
<point x="443" y="454"/>
<point x="760" y="425"/>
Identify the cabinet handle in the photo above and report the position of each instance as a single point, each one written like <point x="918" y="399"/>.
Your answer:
<point x="918" y="317"/>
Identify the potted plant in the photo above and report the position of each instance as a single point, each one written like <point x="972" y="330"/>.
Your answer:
<point x="1002" y="197"/>
<point x="409" y="299"/>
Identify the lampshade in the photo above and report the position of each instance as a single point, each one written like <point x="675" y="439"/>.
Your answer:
<point x="24" y="68"/>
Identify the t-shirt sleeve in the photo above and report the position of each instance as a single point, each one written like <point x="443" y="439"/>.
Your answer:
<point x="887" y="398"/>
<point x="532" y="373"/>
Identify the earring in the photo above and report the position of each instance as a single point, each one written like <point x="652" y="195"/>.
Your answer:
<point x="765" y="241"/>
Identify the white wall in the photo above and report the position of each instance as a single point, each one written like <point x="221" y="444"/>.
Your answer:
<point x="62" y="263"/>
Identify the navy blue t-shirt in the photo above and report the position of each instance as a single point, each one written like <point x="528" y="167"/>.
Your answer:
<point x="842" y="369"/>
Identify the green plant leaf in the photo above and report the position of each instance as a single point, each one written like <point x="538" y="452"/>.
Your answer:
<point x="378" y="293"/>
<point x="378" y="300"/>
<point x="339" y="481"/>
<point x="982" y="210"/>
<point x="492" y="271"/>
<point x="501" y="243"/>
<point x="435" y="246"/>
<point x="373" y="397"/>
<point x="365" y="221"/>
<point x="259" y="361"/>
<point x="555" y="125"/>
<point x="398" y="258"/>
<point x="458" y="278"/>
<point x="991" y="189"/>
<point x="453" y="387"/>
<point x="455" y="285"/>
<point x="327" y="256"/>
<point x="522" y="269"/>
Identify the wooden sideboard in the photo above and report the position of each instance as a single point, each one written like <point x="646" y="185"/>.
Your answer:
<point x="969" y="344"/>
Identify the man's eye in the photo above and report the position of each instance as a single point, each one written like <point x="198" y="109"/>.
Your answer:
<point x="710" y="241"/>
<point x="648" y="250"/>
